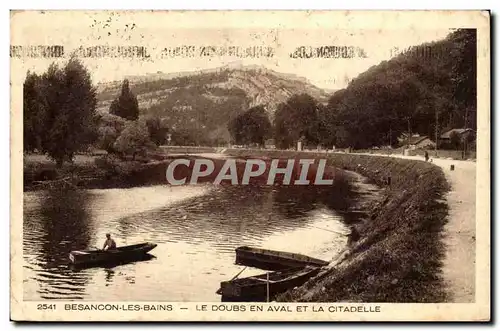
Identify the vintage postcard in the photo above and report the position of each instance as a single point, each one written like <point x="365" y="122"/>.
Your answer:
<point x="250" y="165"/>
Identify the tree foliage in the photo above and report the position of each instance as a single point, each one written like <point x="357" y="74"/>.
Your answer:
<point x="405" y="94"/>
<point x="34" y="112"/>
<point x="251" y="127"/>
<point x="157" y="129"/>
<point x="59" y="111"/>
<point x="455" y="140"/>
<point x="295" y="119"/>
<point x="134" y="139"/>
<point x="126" y="104"/>
<point x="110" y="128"/>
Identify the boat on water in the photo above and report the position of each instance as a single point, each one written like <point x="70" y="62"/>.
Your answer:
<point x="111" y="264"/>
<point x="120" y="254"/>
<point x="267" y="259"/>
<point x="254" y="288"/>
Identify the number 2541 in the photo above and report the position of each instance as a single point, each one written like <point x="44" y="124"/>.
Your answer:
<point x="44" y="306"/>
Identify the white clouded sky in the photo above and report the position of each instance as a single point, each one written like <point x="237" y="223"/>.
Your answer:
<point x="157" y="31"/>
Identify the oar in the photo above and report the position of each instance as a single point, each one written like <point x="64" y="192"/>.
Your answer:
<point x="239" y="273"/>
<point x="317" y="227"/>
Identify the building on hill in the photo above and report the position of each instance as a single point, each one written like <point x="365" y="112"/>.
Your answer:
<point x="270" y="144"/>
<point x="419" y="142"/>
<point x="458" y="139"/>
<point x="462" y="133"/>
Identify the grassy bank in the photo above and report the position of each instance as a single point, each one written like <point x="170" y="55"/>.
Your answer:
<point x="39" y="171"/>
<point x="111" y="171"/>
<point x="88" y="171"/>
<point x="399" y="254"/>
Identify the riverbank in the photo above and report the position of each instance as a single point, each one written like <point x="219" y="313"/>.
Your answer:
<point x="400" y="252"/>
<point x="110" y="171"/>
<point x="459" y="269"/>
<point x="93" y="172"/>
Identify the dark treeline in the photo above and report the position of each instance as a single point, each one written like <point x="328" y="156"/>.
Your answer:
<point x="60" y="117"/>
<point x="126" y="105"/>
<point x="59" y="111"/>
<point x="124" y="132"/>
<point x="405" y="94"/>
<point x="296" y="119"/>
<point x="431" y="84"/>
<point x="251" y="127"/>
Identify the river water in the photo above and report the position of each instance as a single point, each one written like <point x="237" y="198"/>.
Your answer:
<point x="196" y="228"/>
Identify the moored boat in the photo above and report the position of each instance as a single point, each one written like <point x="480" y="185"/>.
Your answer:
<point x="274" y="260"/>
<point x="98" y="256"/>
<point x="255" y="288"/>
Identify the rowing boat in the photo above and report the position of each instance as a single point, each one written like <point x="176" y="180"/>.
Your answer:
<point x="274" y="260"/>
<point x="255" y="288"/>
<point x="118" y="254"/>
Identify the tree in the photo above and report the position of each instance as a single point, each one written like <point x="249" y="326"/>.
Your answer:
<point x="296" y="118"/>
<point x="464" y="66"/>
<point x="464" y="73"/>
<point x="282" y="136"/>
<point x="455" y="140"/>
<point x="157" y="130"/>
<point x="126" y="104"/>
<point x="66" y="110"/>
<point x="251" y="127"/>
<point x="110" y="128"/>
<point x="33" y="113"/>
<point x="183" y="137"/>
<point x="134" y="139"/>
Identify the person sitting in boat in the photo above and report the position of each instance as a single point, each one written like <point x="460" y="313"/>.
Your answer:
<point x="109" y="243"/>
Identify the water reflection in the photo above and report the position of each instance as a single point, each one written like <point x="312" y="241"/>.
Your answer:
<point x="59" y="221"/>
<point x="196" y="237"/>
<point x="109" y="276"/>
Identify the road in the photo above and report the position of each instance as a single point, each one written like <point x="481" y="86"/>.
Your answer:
<point x="459" y="265"/>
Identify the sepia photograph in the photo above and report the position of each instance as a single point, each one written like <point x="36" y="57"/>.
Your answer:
<point x="242" y="165"/>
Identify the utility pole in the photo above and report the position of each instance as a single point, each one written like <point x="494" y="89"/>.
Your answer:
<point x="464" y="137"/>
<point x="436" y="132"/>
<point x="409" y="133"/>
<point x="390" y="135"/>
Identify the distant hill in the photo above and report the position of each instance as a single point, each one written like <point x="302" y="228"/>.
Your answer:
<point x="428" y="88"/>
<point x="201" y="103"/>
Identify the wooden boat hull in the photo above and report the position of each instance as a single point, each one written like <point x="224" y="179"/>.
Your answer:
<point x="121" y="254"/>
<point x="255" y="288"/>
<point x="111" y="264"/>
<point x="267" y="259"/>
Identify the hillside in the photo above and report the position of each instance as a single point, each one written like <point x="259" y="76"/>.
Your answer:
<point x="200" y="104"/>
<point x="429" y="88"/>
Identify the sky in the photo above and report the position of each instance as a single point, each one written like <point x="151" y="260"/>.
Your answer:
<point x="164" y="31"/>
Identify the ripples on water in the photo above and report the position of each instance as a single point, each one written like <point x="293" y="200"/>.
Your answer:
<point x="196" y="229"/>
